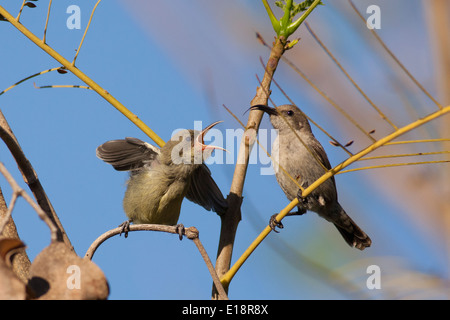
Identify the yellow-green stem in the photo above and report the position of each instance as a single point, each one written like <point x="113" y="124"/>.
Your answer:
<point x="83" y="77"/>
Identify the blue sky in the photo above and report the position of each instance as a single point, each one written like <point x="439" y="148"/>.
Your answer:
<point x="176" y="63"/>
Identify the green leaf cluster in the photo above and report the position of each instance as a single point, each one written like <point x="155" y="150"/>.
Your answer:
<point x="296" y="7"/>
<point x="285" y="26"/>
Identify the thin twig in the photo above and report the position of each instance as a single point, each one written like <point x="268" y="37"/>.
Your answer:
<point x="76" y="86"/>
<point x="234" y="116"/>
<point x="85" y="32"/>
<point x="46" y="21"/>
<point x="312" y="121"/>
<point x="28" y="78"/>
<point x="8" y="212"/>
<point x="405" y="155"/>
<point x="20" y="11"/>
<point x="20" y="192"/>
<point x="393" y="165"/>
<point x="191" y="233"/>
<point x="315" y="87"/>
<point x="328" y="52"/>
<point x="418" y="141"/>
<point x="218" y="285"/>
<point x="385" y="47"/>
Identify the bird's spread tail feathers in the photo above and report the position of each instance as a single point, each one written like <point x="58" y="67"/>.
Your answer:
<point x="351" y="233"/>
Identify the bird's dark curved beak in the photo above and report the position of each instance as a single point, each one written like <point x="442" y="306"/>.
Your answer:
<point x="202" y="134"/>
<point x="266" y="109"/>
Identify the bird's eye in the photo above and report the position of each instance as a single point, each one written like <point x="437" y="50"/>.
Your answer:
<point x="188" y="138"/>
<point x="289" y="112"/>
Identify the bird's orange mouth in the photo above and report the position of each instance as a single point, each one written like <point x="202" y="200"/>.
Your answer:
<point x="201" y="142"/>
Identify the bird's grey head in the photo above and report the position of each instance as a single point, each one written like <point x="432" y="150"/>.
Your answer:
<point x="286" y="116"/>
<point x="187" y="147"/>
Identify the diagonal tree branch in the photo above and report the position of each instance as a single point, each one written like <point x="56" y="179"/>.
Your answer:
<point x="31" y="178"/>
<point x="83" y="77"/>
<point x="230" y="220"/>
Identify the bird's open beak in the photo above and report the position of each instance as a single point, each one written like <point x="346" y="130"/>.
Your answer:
<point x="201" y="142"/>
<point x="266" y="109"/>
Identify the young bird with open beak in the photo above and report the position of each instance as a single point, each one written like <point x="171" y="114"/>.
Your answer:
<point x="306" y="161"/>
<point x="161" y="178"/>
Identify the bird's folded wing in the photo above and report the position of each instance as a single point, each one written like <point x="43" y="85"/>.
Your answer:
<point x="127" y="154"/>
<point x="204" y="191"/>
<point x="322" y="156"/>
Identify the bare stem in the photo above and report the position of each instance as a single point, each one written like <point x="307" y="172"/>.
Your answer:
<point x="385" y="47"/>
<point x="230" y="220"/>
<point x="190" y="233"/>
<point x="20" y="192"/>
<point x="46" y="21"/>
<point x="85" y="32"/>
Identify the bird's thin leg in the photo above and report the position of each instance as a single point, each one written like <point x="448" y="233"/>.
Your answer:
<point x="274" y="223"/>
<point x="301" y="209"/>
<point x="125" y="227"/>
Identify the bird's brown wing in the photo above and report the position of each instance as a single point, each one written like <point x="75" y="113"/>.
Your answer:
<point x="128" y="154"/>
<point x="204" y="191"/>
<point x="320" y="152"/>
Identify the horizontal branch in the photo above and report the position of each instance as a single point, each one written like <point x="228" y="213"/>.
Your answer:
<point x="404" y="155"/>
<point x="417" y="141"/>
<point x="393" y="165"/>
<point x="190" y="233"/>
<point x="135" y="227"/>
